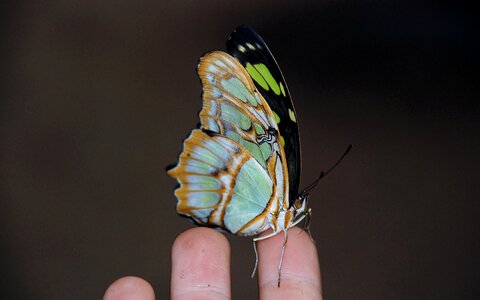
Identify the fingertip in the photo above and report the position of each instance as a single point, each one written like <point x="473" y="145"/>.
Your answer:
<point x="200" y="265"/>
<point x="129" y="287"/>
<point x="199" y="237"/>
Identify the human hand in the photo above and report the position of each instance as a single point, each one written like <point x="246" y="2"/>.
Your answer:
<point x="201" y="269"/>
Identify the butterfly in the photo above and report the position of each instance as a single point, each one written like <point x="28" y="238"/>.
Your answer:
<point x="240" y="171"/>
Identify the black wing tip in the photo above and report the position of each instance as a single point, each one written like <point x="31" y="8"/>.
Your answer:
<point x="241" y="35"/>
<point x="242" y="30"/>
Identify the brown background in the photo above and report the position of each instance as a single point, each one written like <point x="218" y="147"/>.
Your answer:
<point x="100" y="94"/>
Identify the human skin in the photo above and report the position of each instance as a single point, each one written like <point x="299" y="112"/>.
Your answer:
<point x="201" y="269"/>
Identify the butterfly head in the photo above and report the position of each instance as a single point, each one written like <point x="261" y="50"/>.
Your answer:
<point x="300" y="206"/>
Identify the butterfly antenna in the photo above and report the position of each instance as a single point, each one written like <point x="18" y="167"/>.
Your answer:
<point x="325" y="173"/>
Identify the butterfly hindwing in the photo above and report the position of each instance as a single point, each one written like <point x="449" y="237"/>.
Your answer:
<point x="252" y="52"/>
<point x="223" y="185"/>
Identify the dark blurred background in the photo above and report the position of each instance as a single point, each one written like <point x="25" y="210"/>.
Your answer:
<point x="98" y="97"/>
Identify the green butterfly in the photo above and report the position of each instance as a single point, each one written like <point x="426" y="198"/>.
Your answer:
<point x="240" y="170"/>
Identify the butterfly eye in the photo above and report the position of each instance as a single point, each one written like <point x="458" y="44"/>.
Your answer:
<point x="297" y="203"/>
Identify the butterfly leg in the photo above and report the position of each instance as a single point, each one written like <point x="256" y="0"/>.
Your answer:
<point x="285" y="238"/>
<point x="255" y="248"/>
<point x="300" y="218"/>
<point x="256" y="257"/>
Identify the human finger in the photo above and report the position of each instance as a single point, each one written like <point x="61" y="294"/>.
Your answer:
<point x="130" y="287"/>
<point x="300" y="273"/>
<point x="200" y="265"/>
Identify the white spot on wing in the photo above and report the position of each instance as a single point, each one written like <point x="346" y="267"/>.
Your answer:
<point x="213" y="68"/>
<point x="210" y="78"/>
<point x="220" y="64"/>
<point x="250" y="46"/>
<point x="216" y="92"/>
<point x="213" y="108"/>
<point x="231" y="63"/>
<point x="212" y="125"/>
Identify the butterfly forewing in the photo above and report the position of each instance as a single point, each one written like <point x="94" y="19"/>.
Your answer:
<point x="252" y="52"/>
<point x="232" y="106"/>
